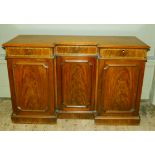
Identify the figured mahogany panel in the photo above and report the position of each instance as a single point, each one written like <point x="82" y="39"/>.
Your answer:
<point x="76" y="50"/>
<point x="76" y="83"/>
<point x="119" y="82"/>
<point x="14" y="52"/>
<point x="32" y="86"/>
<point x="123" y="53"/>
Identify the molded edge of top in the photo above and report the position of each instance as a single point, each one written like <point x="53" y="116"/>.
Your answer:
<point x="49" y="41"/>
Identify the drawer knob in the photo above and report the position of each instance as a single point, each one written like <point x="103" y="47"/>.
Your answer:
<point x="123" y="52"/>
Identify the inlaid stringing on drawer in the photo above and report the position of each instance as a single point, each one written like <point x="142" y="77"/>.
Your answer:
<point x="76" y="50"/>
<point x="29" y="52"/>
<point x="123" y="53"/>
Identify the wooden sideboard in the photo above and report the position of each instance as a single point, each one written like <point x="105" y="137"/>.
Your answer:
<point x="90" y="77"/>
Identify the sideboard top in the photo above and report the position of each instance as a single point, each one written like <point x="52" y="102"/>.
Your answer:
<point x="99" y="41"/>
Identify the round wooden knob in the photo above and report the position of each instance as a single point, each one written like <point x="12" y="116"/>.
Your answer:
<point x="123" y="52"/>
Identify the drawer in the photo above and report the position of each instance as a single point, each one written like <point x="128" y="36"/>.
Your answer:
<point x="123" y="53"/>
<point x="29" y="52"/>
<point x="76" y="50"/>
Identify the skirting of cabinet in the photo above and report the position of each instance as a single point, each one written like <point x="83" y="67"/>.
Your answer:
<point x="27" y="119"/>
<point x="76" y="115"/>
<point x="116" y="120"/>
<point x="99" y="120"/>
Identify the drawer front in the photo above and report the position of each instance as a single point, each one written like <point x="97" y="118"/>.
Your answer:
<point x="76" y="50"/>
<point x="123" y="53"/>
<point x="29" y="52"/>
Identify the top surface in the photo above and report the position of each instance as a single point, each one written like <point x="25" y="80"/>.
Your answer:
<point x="53" y="40"/>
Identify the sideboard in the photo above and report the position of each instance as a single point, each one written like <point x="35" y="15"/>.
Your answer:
<point x="84" y="77"/>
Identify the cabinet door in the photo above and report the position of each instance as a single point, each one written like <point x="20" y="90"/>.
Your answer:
<point x="119" y="87"/>
<point x="32" y="86"/>
<point x="76" y="83"/>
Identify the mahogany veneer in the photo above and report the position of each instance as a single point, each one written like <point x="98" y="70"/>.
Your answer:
<point x="93" y="77"/>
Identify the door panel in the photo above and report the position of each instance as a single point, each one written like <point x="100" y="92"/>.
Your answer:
<point x="118" y="87"/>
<point x="33" y="86"/>
<point x="76" y="83"/>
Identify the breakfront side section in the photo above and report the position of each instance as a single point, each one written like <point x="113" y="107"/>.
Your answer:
<point x="120" y="76"/>
<point x="76" y="81"/>
<point x="31" y="75"/>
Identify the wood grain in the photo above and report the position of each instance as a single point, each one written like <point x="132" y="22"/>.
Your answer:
<point x="118" y="91"/>
<point x="118" y="88"/>
<point x="123" y="54"/>
<point x="117" y="120"/>
<point x="99" y="41"/>
<point x="76" y="50"/>
<point x="14" y="52"/>
<point x="32" y="87"/>
<point x="76" y="83"/>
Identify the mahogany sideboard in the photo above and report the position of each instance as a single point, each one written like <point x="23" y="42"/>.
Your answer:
<point x="90" y="77"/>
